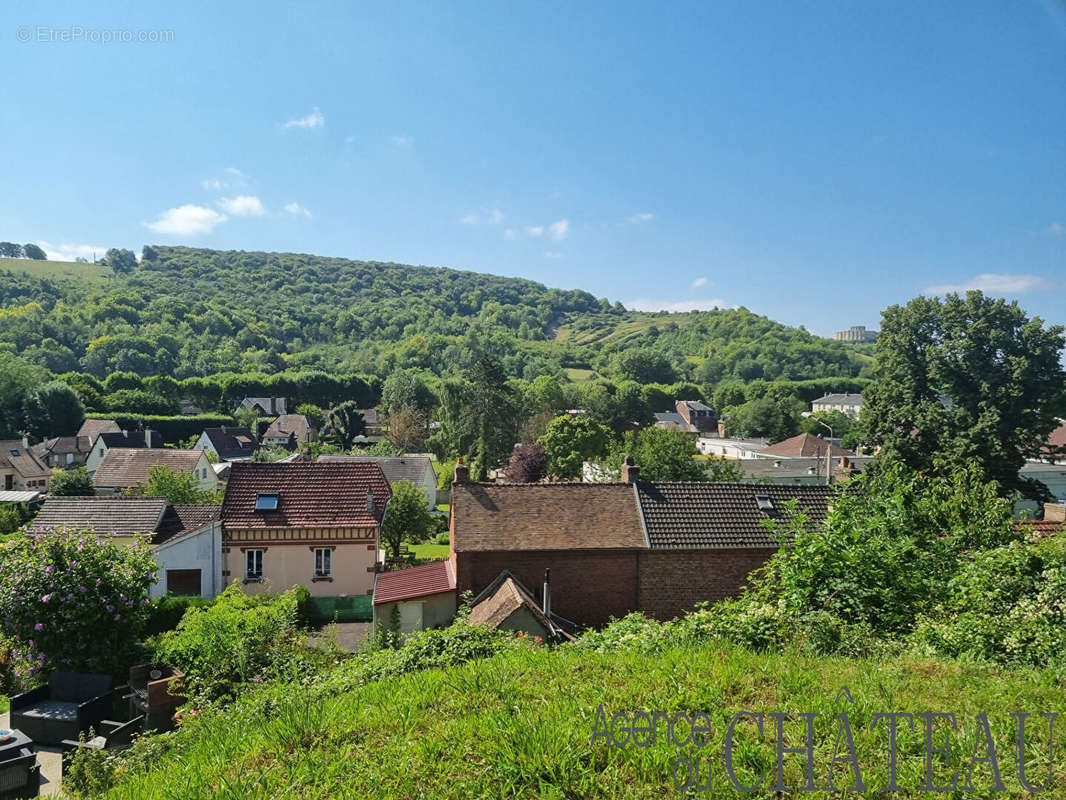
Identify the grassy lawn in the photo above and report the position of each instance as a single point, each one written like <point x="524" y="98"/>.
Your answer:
<point x="578" y="375"/>
<point x="521" y="725"/>
<point x="4" y="706"/>
<point x="59" y="270"/>
<point x="430" y="550"/>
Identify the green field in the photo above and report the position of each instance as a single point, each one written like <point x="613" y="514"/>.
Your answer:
<point x="521" y="724"/>
<point x="430" y="551"/>
<point x="92" y="274"/>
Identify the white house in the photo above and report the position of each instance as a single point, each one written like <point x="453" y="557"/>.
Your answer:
<point x="734" y="449"/>
<point x="850" y="404"/>
<point x="125" y="439"/>
<point x="124" y="468"/>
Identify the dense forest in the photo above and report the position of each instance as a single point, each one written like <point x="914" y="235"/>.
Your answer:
<point x="183" y="312"/>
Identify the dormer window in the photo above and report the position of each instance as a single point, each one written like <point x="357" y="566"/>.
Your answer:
<point x="266" y="502"/>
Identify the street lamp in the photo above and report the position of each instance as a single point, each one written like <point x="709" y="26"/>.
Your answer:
<point x="828" y="444"/>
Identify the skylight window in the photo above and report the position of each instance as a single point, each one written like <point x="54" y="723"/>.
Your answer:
<point x="266" y="502"/>
<point x="764" y="502"/>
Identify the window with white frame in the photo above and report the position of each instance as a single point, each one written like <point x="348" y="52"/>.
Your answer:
<point x="253" y="565"/>
<point x="323" y="562"/>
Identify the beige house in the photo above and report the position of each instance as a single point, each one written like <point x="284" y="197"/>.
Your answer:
<point x="126" y="440"/>
<point x="289" y="430"/>
<point x="124" y="468"/>
<point x="20" y="469"/>
<point x="304" y="523"/>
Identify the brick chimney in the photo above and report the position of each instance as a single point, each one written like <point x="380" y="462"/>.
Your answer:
<point x="630" y="470"/>
<point x="1055" y="512"/>
<point x="462" y="472"/>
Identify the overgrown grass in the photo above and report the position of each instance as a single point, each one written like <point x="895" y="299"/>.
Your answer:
<point x="59" y="270"/>
<point x="520" y="725"/>
<point x="5" y="705"/>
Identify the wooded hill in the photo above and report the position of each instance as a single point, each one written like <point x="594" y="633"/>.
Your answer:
<point x="187" y="312"/>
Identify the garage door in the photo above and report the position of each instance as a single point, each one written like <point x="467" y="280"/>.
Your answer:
<point x="184" y="582"/>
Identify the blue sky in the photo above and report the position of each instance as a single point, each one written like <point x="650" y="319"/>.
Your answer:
<point x="814" y="162"/>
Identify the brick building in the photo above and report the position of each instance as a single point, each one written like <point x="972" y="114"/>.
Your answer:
<point x="615" y="548"/>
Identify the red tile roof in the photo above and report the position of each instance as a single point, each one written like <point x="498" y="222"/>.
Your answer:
<point x="407" y="584"/>
<point x="124" y="467"/>
<point x="310" y="495"/>
<point x="1040" y="527"/>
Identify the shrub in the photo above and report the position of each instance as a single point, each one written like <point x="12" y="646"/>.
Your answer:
<point x="73" y="601"/>
<point x="233" y="640"/>
<point x="166" y="612"/>
<point x="443" y="537"/>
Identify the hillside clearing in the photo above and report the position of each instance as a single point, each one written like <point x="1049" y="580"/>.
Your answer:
<point x="63" y="271"/>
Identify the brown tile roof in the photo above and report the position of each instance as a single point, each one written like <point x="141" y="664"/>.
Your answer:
<point x="420" y="581"/>
<point x="61" y="445"/>
<point x="20" y="458"/>
<point x="124" y="467"/>
<point x="94" y="427"/>
<point x="1056" y="441"/>
<point x="287" y="425"/>
<point x="501" y="599"/>
<point x="803" y="446"/>
<point x="182" y="519"/>
<point x="310" y="494"/>
<point x="1040" y="527"/>
<point x="545" y="516"/>
<point x="685" y="515"/>
<point x="113" y="516"/>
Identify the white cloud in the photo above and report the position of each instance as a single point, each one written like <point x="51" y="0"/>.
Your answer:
<point x="553" y="254"/>
<point x="71" y="252"/>
<point x="1055" y="229"/>
<point x="313" y="120"/>
<point x="486" y="216"/>
<point x="696" y="284"/>
<point x="677" y="305"/>
<point x="556" y="231"/>
<point x="297" y="210"/>
<point x="403" y="140"/>
<point x="243" y="205"/>
<point x="992" y="283"/>
<point x="236" y="173"/>
<point x="213" y="185"/>
<point x="235" y="180"/>
<point x="187" y="220"/>
<point x="643" y="216"/>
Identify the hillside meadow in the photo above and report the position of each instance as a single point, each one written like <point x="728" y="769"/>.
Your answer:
<point x="521" y="724"/>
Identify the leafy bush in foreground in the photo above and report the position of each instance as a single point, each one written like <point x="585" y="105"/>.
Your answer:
<point x="73" y="601"/>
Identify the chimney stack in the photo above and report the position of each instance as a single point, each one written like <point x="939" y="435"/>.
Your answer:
<point x="630" y="470"/>
<point x="25" y="441"/>
<point x="1055" y="512"/>
<point x="462" y="472"/>
<point x="371" y="504"/>
<point x="547" y="593"/>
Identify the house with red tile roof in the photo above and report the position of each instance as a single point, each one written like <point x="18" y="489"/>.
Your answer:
<point x="415" y="598"/>
<point x="805" y="445"/>
<point x="315" y="524"/>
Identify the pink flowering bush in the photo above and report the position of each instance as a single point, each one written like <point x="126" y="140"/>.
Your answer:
<point x="72" y="601"/>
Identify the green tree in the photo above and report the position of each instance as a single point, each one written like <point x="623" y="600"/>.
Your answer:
<point x="407" y="517"/>
<point x="10" y="250"/>
<point x="53" y="409"/>
<point x="34" y="252"/>
<point x="569" y="441"/>
<point x="71" y="483"/>
<point x="644" y="366"/>
<point x="494" y="412"/>
<point x="664" y="454"/>
<point x="965" y="380"/>
<point x="766" y="416"/>
<point x="404" y="390"/>
<point x="346" y="423"/>
<point x="313" y="413"/>
<point x="17" y="378"/>
<point x="176" y="486"/>
<point x="120" y="260"/>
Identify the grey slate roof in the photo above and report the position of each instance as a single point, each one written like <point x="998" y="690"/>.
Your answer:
<point x="105" y="515"/>
<point x="396" y="468"/>
<point x="230" y="442"/>
<point x="179" y="520"/>
<point x="689" y="515"/>
<point x="14" y="454"/>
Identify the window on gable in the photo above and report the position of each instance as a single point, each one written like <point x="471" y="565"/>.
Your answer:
<point x="266" y="502"/>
